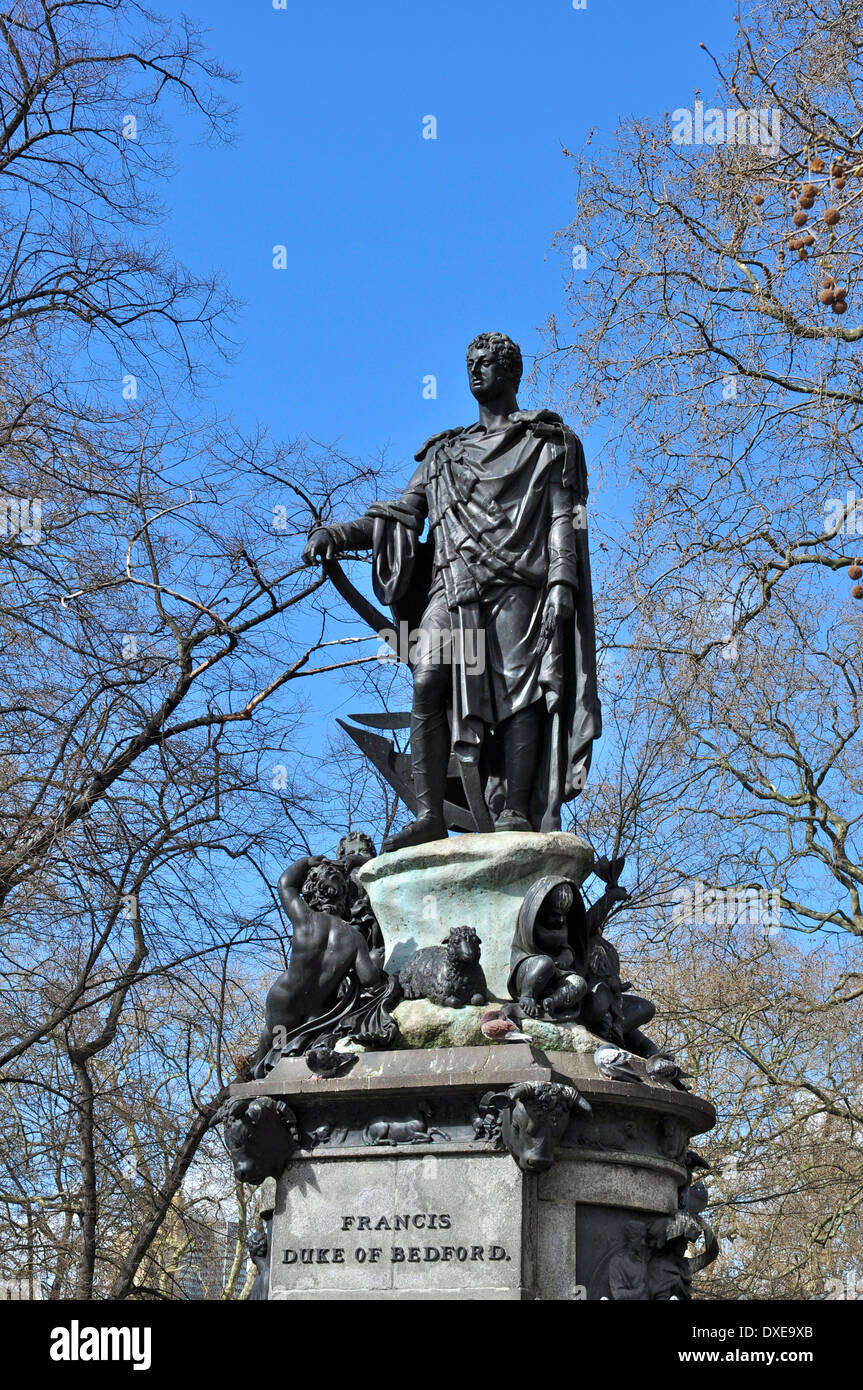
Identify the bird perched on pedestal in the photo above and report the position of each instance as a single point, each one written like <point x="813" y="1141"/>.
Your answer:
<point x="663" y="1066"/>
<point x="495" y="1026"/>
<point x="325" y="1062"/>
<point x="615" y="1064"/>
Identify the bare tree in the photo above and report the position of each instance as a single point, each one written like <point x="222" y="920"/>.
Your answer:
<point x="156" y="621"/>
<point x="714" y="255"/>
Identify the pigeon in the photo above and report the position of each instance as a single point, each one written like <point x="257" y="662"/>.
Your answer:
<point x="694" y="1160"/>
<point x="694" y="1198"/>
<point x="615" y="1064"/>
<point x="324" y="1062"/>
<point x="663" y="1066"/>
<point x="497" y="1028"/>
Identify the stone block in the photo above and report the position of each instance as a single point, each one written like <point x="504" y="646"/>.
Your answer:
<point x="418" y="894"/>
<point x="381" y="1226"/>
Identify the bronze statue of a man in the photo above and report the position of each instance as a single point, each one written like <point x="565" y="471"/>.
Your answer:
<point x="507" y="558"/>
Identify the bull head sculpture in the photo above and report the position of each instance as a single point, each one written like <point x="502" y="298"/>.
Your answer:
<point x="261" y="1133"/>
<point x="534" y="1116"/>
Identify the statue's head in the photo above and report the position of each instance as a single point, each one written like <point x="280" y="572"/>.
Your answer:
<point x="558" y="905"/>
<point x="356" y="842"/>
<point x="261" y="1133"/>
<point x="633" y="1234"/>
<point x="325" y="889"/>
<point x="493" y="366"/>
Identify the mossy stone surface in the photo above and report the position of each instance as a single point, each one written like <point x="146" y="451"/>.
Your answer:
<point x="423" y="1024"/>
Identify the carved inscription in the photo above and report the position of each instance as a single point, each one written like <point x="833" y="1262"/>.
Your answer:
<point x="423" y="1222"/>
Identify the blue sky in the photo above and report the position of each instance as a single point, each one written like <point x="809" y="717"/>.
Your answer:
<point x="399" y="248"/>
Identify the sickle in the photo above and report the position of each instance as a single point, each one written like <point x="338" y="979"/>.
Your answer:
<point x="361" y="605"/>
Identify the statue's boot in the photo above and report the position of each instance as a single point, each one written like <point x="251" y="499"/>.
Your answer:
<point x="520" y="751"/>
<point x="430" y="757"/>
<point x="420" y="831"/>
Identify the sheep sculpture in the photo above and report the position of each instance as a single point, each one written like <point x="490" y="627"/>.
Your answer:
<point x="449" y="974"/>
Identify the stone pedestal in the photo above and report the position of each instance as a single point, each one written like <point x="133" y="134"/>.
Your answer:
<point x="395" y="1192"/>
<point x="478" y="880"/>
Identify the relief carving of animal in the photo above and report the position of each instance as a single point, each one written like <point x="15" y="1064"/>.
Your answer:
<point x="415" y="1129"/>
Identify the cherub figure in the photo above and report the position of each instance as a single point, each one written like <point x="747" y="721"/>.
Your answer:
<point x="326" y="952"/>
<point x="549" y="959"/>
<point x="355" y="849"/>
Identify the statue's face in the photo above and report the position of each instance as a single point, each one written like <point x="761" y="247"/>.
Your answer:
<point x="486" y="375"/>
<point x="550" y="931"/>
<point x="327" y="893"/>
<point x="355" y="845"/>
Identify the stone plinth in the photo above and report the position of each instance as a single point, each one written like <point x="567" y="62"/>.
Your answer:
<point x="394" y="1194"/>
<point x="480" y="880"/>
<point x="394" y="1225"/>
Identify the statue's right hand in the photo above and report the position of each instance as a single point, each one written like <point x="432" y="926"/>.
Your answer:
<point x="321" y="545"/>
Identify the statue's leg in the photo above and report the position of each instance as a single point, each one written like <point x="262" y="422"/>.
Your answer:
<point x="637" y="1012"/>
<point x="533" y="978"/>
<point x="430" y="746"/>
<point x="521" y="738"/>
<point x="597" y="1004"/>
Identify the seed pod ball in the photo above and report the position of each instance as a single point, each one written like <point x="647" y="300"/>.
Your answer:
<point x="758" y="199"/>
<point x="800" y="219"/>
<point x="816" y="165"/>
<point x="831" y="216"/>
<point x="803" y="254"/>
<point x="837" y="168"/>
<point x="828" y="282"/>
<point x="839" y="306"/>
<point x="855" y="572"/>
<point x="857" y="591"/>
<point x="807" y="203"/>
<point x="840" y="182"/>
<point x="826" y="296"/>
<point x="840" y="292"/>
<point x="809" y="239"/>
<point x="809" y="191"/>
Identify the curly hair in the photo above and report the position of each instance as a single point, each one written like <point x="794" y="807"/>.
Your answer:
<point x="503" y="350"/>
<point x="324" y="888"/>
<point x="548" y="1097"/>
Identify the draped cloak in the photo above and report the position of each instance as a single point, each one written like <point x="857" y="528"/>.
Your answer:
<point x="506" y="511"/>
<point x="524" y="943"/>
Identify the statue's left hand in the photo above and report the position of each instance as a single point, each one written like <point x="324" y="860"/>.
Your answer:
<point x="558" y="605"/>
